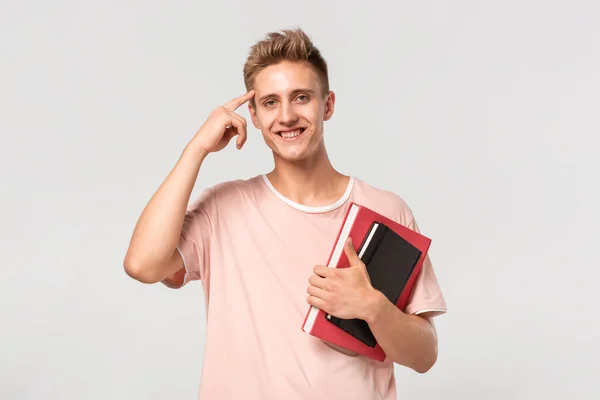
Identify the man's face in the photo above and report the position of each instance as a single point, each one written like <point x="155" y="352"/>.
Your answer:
<point x="290" y="109"/>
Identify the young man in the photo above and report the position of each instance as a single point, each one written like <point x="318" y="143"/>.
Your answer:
<point x="258" y="245"/>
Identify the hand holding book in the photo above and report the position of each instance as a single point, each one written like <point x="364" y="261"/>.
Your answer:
<point x="344" y="292"/>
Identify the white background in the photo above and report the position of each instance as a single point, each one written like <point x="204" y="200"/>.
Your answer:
<point x="483" y="116"/>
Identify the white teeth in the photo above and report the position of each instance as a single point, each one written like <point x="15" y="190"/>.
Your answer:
<point x="289" y="135"/>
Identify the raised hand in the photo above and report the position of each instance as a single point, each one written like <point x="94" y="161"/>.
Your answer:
<point x="222" y="125"/>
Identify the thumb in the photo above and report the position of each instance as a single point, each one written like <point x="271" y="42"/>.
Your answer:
<point x="351" y="252"/>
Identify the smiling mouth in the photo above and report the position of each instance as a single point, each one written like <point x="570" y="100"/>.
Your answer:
<point x="291" y="135"/>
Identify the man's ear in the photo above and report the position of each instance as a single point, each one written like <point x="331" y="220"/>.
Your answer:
<point x="329" y="105"/>
<point x="252" y="111"/>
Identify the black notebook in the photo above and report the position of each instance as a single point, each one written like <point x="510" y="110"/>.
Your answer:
<point x="390" y="260"/>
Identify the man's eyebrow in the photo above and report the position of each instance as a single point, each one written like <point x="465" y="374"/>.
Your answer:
<point x="293" y="92"/>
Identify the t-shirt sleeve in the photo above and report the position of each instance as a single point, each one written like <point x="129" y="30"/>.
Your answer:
<point x="427" y="295"/>
<point x="194" y="242"/>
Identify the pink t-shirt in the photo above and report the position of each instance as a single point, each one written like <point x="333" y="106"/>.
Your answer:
<point x="254" y="250"/>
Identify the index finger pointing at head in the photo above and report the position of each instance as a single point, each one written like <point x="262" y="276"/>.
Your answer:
<point x="238" y="101"/>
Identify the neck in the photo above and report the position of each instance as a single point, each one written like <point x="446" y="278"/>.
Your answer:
<point x="312" y="182"/>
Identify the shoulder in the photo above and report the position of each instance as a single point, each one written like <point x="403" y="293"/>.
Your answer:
<point x="384" y="201"/>
<point x="231" y="191"/>
<point x="235" y="187"/>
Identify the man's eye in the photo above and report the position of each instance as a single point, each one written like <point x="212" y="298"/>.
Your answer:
<point x="269" y="103"/>
<point x="302" y="97"/>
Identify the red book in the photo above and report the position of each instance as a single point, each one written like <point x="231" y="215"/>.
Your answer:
<point x="393" y="255"/>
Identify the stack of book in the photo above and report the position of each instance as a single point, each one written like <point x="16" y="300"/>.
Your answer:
<point x="393" y="255"/>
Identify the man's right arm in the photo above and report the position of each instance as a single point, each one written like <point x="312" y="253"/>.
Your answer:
<point x="152" y="255"/>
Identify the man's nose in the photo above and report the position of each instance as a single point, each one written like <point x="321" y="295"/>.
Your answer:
<point x="287" y="115"/>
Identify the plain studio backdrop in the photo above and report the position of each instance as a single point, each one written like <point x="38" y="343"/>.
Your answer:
<point x="482" y="116"/>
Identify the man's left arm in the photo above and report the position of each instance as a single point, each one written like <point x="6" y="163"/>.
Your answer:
<point x="407" y="339"/>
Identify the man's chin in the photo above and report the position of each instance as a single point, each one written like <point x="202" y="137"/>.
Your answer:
<point x="291" y="154"/>
<point x="291" y="158"/>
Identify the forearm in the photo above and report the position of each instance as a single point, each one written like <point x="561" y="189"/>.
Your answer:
<point x="408" y="340"/>
<point x="157" y="231"/>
